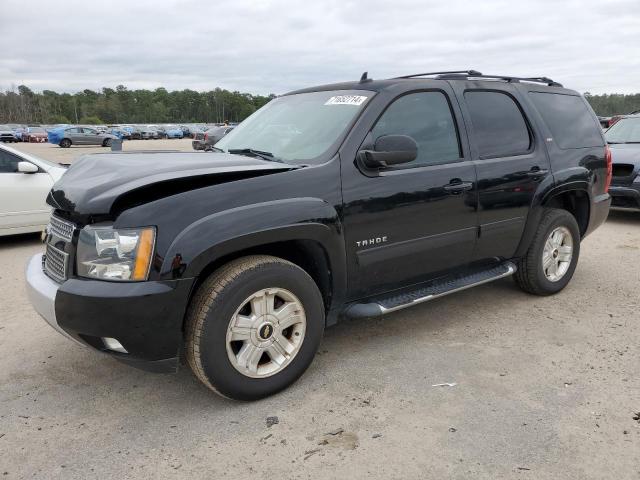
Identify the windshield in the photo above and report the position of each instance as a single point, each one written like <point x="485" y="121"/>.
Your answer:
<point x="298" y="127"/>
<point x="626" y="130"/>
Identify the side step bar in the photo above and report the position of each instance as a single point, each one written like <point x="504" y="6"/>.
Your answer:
<point x="428" y="291"/>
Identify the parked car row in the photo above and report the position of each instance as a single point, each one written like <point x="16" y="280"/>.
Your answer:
<point x="68" y="135"/>
<point x="11" y="133"/>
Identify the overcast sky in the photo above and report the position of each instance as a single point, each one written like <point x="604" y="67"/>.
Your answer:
<point x="272" y="46"/>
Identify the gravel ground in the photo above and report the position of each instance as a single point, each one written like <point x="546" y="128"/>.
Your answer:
<point x="544" y="388"/>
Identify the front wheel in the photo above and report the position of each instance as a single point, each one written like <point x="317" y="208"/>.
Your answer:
<point x="551" y="260"/>
<point x="253" y="327"/>
<point x="65" y="143"/>
<point x="107" y="142"/>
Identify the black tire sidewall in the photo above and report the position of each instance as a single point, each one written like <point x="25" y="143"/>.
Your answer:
<point x="560" y="219"/>
<point x="213" y="353"/>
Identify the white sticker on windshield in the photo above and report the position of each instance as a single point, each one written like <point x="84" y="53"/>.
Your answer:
<point x="346" y="100"/>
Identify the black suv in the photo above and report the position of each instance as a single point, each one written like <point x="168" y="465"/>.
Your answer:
<point x="340" y="201"/>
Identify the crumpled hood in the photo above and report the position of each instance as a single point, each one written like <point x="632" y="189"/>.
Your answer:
<point x="625" y="153"/>
<point x="94" y="184"/>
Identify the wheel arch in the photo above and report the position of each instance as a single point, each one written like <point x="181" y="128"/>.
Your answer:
<point x="573" y="197"/>
<point x="310" y="255"/>
<point x="304" y="231"/>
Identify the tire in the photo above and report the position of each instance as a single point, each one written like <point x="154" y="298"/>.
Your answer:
<point x="532" y="276"/>
<point x="107" y="142"/>
<point x="223" y="298"/>
<point x="65" y="143"/>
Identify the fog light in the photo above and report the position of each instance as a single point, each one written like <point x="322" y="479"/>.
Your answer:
<point x="113" y="344"/>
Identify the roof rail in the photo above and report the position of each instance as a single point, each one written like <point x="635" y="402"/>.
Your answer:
<point x="470" y="73"/>
<point x="466" y="74"/>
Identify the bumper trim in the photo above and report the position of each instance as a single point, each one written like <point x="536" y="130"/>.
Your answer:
<point x="42" y="292"/>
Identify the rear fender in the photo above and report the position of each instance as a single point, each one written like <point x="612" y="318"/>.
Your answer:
<point x="537" y="209"/>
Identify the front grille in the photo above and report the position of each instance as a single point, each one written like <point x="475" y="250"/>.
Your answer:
<point x="55" y="263"/>
<point x="61" y="228"/>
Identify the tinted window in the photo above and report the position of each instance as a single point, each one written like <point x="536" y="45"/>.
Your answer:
<point x="426" y="117"/>
<point x="499" y="128"/>
<point x="8" y="162"/>
<point x="89" y="130"/>
<point x="569" y="119"/>
<point x="73" y="130"/>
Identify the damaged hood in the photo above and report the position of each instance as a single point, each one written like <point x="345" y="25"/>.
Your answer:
<point x="98" y="184"/>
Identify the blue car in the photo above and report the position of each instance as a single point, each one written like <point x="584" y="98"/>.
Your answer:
<point x="173" y="131"/>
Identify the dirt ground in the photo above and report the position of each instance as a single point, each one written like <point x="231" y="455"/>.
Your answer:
<point x="545" y="388"/>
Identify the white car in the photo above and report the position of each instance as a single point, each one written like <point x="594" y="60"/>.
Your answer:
<point x="25" y="182"/>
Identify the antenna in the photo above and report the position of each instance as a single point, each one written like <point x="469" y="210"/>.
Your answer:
<point x="364" y="78"/>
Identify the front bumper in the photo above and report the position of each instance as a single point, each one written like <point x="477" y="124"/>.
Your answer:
<point x="145" y="317"/>
<point x="625" y="197"/>
<point x="42" y="291"/>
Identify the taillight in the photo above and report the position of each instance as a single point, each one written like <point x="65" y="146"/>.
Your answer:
<point x="206" y="137"/>
<point x="609" y="160"/>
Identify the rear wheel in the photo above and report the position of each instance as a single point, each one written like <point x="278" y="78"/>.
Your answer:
<point x="551" y="260"/>
<point x="253" y="327"/>
<point x="65" y="143"/>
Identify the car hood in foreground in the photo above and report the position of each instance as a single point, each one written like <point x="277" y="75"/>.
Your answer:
<point x="104" y="184"/>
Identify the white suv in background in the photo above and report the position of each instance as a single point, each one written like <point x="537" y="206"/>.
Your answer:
<point x="25" y="182"/>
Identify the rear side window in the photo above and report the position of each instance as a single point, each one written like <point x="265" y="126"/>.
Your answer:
<point x="499" y="128"/>
<point x="426" y="117"/>
<point x="569" y="119"/>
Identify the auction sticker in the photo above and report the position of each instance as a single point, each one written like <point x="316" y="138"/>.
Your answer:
<point x="346" y="100"/>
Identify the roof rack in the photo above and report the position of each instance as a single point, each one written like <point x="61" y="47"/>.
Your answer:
<point x="466" y="74"/>
<point x="470" y="73"/>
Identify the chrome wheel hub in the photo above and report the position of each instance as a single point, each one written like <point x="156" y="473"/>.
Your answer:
<point x="557" y="254"/>
<point x="266" y="332"/>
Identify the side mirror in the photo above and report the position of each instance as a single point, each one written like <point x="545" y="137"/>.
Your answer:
<point x="27" y="167"/>
<point x="390" y="150"/>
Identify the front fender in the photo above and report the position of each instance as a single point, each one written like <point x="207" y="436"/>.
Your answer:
<point x="224" y="233"/>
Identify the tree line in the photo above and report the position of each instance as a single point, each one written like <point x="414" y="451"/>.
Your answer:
<point x="121" y="105"/>
<point x="613" y="103"/>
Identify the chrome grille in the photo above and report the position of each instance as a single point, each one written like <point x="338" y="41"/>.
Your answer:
<point x="61" y="228"/>
<point x="55" y="263"/>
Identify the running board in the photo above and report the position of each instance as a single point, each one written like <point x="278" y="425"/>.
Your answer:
<point x="428" y="291"/>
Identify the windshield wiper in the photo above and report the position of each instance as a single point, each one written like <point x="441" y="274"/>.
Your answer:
<point x="255" y="153"/>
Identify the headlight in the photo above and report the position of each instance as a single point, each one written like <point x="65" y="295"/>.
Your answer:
<point x="637" y="179"/>
<point x="121" y="255"/>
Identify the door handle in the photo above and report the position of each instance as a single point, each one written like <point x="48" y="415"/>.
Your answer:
<point x="536" y="172"/>
<point x="456" y="186"/>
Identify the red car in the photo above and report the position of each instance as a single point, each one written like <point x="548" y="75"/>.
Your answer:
<point x="34" y="134"/>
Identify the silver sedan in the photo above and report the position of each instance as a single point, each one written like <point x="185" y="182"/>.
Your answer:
<point x="85" y="136"/>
